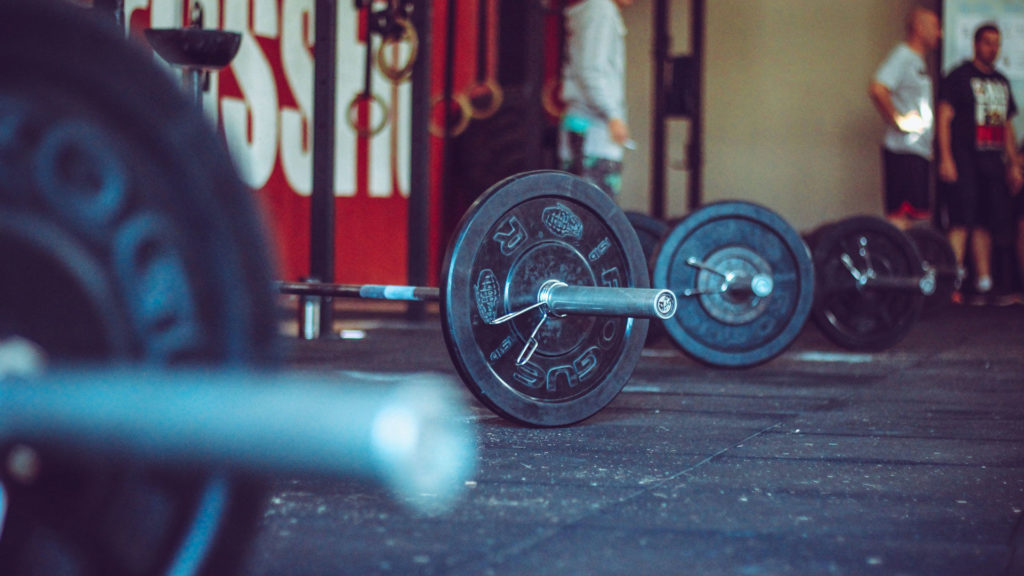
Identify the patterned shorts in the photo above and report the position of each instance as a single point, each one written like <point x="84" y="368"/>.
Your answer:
<point x="606" y="174"/>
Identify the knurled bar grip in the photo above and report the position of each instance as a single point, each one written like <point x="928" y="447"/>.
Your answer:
<point x="608" y="301"/>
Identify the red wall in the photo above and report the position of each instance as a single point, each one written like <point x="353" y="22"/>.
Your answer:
<point x="263" y="106"/>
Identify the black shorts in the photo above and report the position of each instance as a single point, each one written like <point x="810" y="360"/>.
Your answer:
<point x="907" y="185"/>
<point x="980" y="197"/>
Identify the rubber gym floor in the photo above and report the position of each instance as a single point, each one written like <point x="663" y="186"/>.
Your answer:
<point x="822" y="461"/>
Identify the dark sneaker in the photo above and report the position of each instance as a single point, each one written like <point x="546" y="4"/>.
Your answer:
<point x="1002" y="299"/>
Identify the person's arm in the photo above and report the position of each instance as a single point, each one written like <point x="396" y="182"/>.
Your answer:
<point x="943" y="133"/>
<point x="896" y="67"/>
<point x="881" y="96"/>
<point x="1014" y="174"/>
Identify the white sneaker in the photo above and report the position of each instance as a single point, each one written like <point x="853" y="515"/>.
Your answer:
<point x="983" y="285"/>
<point x="961" y="275"/>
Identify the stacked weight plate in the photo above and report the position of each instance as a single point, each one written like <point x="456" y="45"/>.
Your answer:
<point x="744" y="279"/>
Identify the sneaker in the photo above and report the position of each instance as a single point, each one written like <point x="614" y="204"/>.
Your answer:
<point x="961" y="275"/>
<point x="1002" y="299"/>
<point x="978" y="300"/>
<point x="983" y="285"/>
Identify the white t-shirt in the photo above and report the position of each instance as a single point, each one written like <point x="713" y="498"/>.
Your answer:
<point x="594" y="75"/>
<point x="905" y="73"/>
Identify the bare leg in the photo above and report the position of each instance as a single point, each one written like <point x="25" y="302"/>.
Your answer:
<point x="958" y="240"/>
<point x="981" y="251"/>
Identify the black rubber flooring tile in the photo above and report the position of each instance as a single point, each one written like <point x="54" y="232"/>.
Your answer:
<point x="610" y="551"/>
<point x="351" y="529"/>
<point x="822" y="461"/>
<point x="932" y="502"/>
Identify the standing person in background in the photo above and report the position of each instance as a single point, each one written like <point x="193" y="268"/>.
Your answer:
<point x="901" y="90"/>
<point x="594" y="130"/>
<point x="978" y="154"/>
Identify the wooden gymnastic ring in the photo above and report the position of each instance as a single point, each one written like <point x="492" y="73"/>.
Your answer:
<point x="395" y="72"/>
<point x="488" y="91"/>
<point x="550" y="99"/>
<point x="353" y="115"/>
<point x="465" y="115"/>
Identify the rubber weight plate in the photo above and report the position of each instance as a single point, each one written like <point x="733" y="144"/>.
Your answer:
<point x="936" y="254"/>
<point x="523" y="231"/>
<point x="863" y="317"/>
<point x="125" y="237"/>
<point x="735" y="328"/>
<point x="649" y="230"/>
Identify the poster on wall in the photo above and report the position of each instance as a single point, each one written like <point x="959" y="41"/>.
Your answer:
<point x="962" y="17"/>
<point x="263" y="106"/>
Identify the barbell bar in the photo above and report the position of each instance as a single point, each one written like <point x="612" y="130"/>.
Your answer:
<point x="869" y="278"/>
<point x="367" y="291"/>
<point x="758" y="285"/>
<point x="558" y="297"/>
<point x="410" y="433"/>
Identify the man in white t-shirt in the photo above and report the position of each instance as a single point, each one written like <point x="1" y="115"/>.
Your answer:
<point x="902" y="92"/>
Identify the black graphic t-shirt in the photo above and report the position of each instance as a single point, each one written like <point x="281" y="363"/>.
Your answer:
<point x="983" y="105"/>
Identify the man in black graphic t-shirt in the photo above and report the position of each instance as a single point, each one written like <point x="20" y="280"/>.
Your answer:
<point x="978" y="154"/>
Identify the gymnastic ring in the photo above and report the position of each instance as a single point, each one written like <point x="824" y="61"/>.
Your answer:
<point x="353" y="115"/>
<point x="489" y="91"/>
<point x="550" y="99"/>
<point x="393" y="71"/>
<point x="465" y="115"/>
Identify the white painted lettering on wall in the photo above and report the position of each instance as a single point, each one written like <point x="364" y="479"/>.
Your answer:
<point x="264" y="130"/>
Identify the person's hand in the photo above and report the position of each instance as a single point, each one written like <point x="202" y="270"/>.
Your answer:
<point x="947" y="170"/>
<point x="1014" y="178"/>
<point x="618" y="131"/>
<point x="911" y="123"/>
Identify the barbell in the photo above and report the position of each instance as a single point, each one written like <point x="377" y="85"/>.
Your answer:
<point x="124" y="238"/>
<point x="872" y="282"/>
<point x="864" y="284"/>
<point x="544" y="299"/>
<point x="742" y="278"/>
